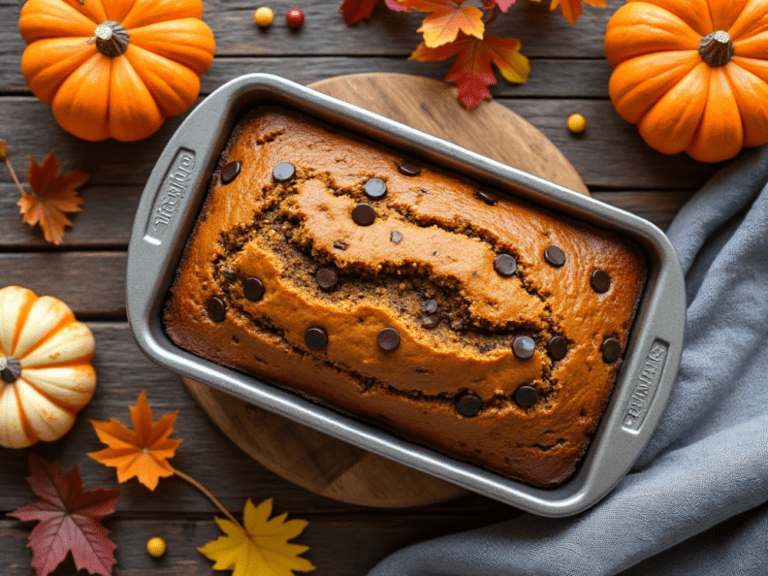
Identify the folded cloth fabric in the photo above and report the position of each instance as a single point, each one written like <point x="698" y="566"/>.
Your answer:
<point x="696" y="501"/>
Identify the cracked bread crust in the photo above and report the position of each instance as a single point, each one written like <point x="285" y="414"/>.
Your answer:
<point x="424" y="267"/>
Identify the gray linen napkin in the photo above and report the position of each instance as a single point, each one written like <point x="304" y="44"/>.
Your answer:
<point x="696" y="501"/>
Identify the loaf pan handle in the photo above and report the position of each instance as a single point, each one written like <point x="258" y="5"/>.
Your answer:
<point x="174" y="190"/>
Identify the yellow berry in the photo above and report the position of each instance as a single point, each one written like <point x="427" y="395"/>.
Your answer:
<point x="577" y="123"/>
<point x="156" y="547"/>
<point x="263" y="16"/>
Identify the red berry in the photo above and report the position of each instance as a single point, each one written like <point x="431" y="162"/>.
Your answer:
<point x="294" y="17"/>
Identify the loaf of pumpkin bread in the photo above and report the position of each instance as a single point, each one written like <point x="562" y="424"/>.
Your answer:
<point x="456" y="317"/>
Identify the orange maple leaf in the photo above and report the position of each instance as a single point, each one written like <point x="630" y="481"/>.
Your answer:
<point x="53" y="195"/>
<point x="142" y="452"/>
<point x="471" y="71"/>
<point x="572" y="8"/>
<point x="446" y="19"/>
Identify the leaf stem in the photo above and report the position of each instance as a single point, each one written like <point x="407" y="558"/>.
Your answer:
<point x="210" y="496"/>
<point x="13" y="174"/>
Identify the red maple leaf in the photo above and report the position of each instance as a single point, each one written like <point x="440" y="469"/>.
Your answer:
<point x="356" y="10"/>
<point x="471" y="71"/>
<point x="69" y="520"/>
<point x="503" y="4"/>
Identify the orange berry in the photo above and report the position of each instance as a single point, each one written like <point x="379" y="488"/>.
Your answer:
<point x="263" y="16"/>
<point x="577" y="123"/>
<point x="156" y="547"/>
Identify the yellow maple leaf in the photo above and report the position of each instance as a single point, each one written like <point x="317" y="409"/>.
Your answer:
<point x="446" y="19"/>
<point x="142" y="452"/>
<point x="53" y="195"/>
<point x="261" y="548"/>
<point x="572" y="8"/>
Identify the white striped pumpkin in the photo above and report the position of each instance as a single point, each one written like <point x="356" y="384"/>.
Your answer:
<point x="46" y="375"/>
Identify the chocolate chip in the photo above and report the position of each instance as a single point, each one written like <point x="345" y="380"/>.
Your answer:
<point x="408" y="168"/>
<point x="375" y="188"/>
<point x="430" y="321"/>
<point x="505" y="265"/>
<point x="388" y="339"/>
<point x="554" y="256"/>
<point x="600" y="281"/>
<point x="363" y="214"/>
<point x="230" y="275"/>
<point x="284" y="171"/>
<point x="487" y="197"/>
<point x="557" y="347"/>
<point x="468" y="404"/>
<point x="430" y="306"/>
<point x="340" y="245"/>
<point x="327" y="278"/>
<point x="253" y="289"/>
<point x="523" y="347"/>
<point x="217" y="310"/>
<point x="611" y="350"/>
<point x="526" y="396"/>
<point x="230" y="172"/>
<point x="315" y="338"/>
<point x="396" y="237"/>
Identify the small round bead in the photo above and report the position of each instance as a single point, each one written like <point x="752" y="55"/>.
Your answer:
<point x="577" y="123"/>
<point x="156" y="547"/>
<point x="294" y="18"/>
<point x="263" y="16"/>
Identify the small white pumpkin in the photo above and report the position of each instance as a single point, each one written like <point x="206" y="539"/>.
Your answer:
<point x="46" y="375"/>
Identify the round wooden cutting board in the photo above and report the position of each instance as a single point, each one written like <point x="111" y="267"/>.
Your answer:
<point x="313" y="460"/>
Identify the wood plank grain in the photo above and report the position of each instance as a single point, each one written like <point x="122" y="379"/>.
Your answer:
<point x="549" y="78"/>
<point x="105" y="221"/>
<point x="92" y="283"/>
<point x="658" y="207"/>
<point x="123" y="371"/>
<point x="610" y="154"/>
<point x="542" y="34"/>
<point x="339" y="545"/>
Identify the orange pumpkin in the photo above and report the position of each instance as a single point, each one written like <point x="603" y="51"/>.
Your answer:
<point x="115" y="68"/>
<point x="692" y="74"/>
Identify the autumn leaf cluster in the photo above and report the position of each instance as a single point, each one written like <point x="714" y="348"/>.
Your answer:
<point x="69" y="518"/>
<point x="454" y="28"/>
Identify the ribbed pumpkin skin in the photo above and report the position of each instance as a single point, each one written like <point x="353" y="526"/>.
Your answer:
<point x="125" y="97"/>
<point x="57" y="379"/>
<point x="679" y="102"/>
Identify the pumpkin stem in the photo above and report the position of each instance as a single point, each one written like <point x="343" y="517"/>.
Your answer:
<point x="716" y="49"/>
<point x="10" y="369"/>
<point x="110" y="38"/>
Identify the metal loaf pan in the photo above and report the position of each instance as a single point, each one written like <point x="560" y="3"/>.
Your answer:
<point x="169" y="207"/>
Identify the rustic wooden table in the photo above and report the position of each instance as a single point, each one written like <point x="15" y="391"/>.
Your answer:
<point x="569" y="74"/>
